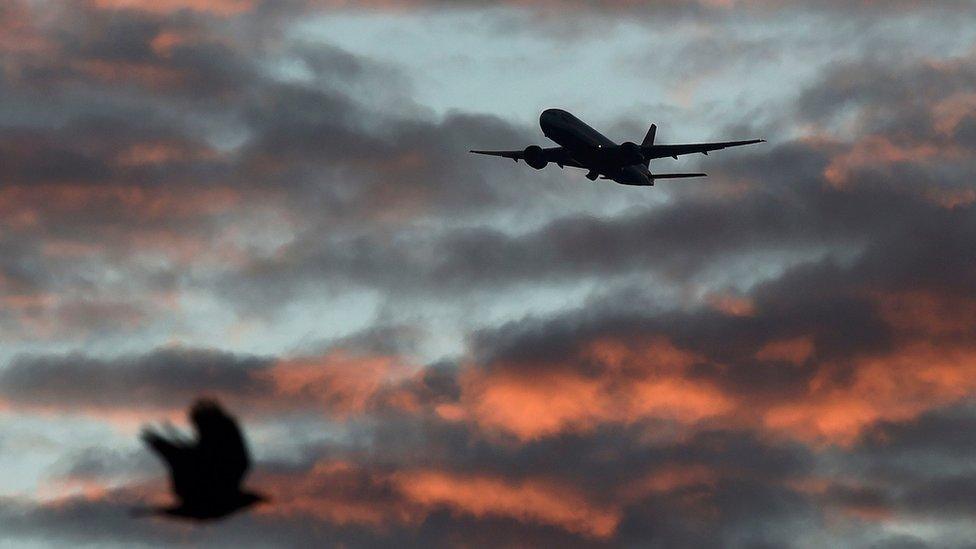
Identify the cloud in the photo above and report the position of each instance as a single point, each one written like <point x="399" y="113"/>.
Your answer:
<point x="615" y="382"/>
<point x="341" y="493"/>
<point x="219" y="7"/>
<point x="657" y="7"/>
<point x="781" y="355"/>
<point x="167" y="379"/>
<point x="907" y="164"/>
<point x="337" y="382"/>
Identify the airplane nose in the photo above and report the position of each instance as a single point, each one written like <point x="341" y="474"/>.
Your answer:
<point x="550" y="117"/>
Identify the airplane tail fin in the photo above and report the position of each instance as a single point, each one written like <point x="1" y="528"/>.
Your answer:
<point x="649" y="140"/>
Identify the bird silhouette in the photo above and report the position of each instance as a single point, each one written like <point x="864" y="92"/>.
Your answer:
<point x="205" y="474"/>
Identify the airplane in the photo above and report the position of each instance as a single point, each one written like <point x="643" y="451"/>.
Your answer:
<point x="583" y="147"/>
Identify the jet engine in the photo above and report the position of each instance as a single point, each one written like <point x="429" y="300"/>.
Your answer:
<point x="534" y="157"/>
<point x="630" y="154"/>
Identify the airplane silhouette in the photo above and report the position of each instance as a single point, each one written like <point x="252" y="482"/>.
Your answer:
<point x="584" y="147"/>
<point x="205" y="474"/>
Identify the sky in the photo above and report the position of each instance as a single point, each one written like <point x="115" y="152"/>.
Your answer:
<point x="271" y="202"/>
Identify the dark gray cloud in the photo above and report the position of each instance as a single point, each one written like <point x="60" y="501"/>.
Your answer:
<point x="883" y="188"/>
<point x="166" y="378"/>
<point x="168" y="139"/>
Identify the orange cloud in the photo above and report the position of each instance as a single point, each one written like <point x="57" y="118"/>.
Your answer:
<point x="551" y="404"/>
<point x="533" y="408"/>
<point x="615" y="381"/>
<point x="881" y="152"/>
<point x="339" y="492"/>
<point x="144" y="203"/>
<point x="19" y="33"/>
<point x="952" y="111"/>
<point x="342" y="492"/>
<point x="530" y="501"/>
<point x="104" y="209"/>
<point x="216" y="7"/>
<point x="162" y="152"/>
<point x="343" y="383"/>
<point x="669" y="478"/>
<point x="148" y="75"/>
<point x="894" y="387"/>
<point x="632" y="383"/>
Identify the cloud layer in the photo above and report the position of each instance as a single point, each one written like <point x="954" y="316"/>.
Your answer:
<point x="437" y="350"/>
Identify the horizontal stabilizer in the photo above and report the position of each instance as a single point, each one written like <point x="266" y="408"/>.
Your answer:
<point x="677" y="175"/>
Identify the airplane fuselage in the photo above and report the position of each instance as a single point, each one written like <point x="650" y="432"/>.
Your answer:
<point x="591" y="148"/>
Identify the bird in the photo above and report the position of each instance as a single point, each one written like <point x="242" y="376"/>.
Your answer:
<point x="206" y="474"/>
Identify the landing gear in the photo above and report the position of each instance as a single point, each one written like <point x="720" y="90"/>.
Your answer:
<point x="593" y="175"/>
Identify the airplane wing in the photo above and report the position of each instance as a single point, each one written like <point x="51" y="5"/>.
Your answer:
<point x="555" y="155"/>
<point x="663" y="151"/>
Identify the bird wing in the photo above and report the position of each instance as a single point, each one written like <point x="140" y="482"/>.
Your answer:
<point x="178" y="456"/>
